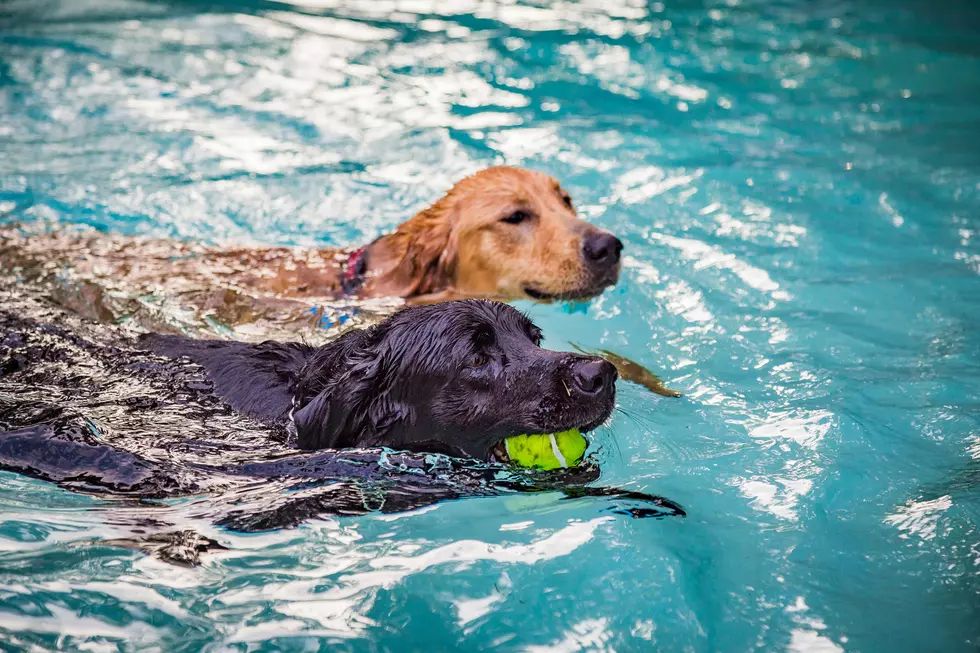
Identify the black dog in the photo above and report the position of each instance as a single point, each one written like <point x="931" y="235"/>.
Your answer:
<point x="93" y="410"/>
<point x="455" y="378"/>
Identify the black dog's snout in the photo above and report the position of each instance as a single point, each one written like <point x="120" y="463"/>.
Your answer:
<point x="601" y="248"/>
<point x="591" y="375"/>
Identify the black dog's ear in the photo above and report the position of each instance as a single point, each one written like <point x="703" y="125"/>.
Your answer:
<point x="327" y="395"/>
<point x="321" y="424"/>
<point x="354" y="403"/>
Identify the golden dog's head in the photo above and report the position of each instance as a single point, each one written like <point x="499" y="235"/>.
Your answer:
<point x="503" y="232"/>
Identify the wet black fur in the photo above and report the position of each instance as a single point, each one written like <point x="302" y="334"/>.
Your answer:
<point x="409" y="382"/>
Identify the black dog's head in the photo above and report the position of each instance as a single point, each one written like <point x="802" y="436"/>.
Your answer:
<point x="455" y="378"/>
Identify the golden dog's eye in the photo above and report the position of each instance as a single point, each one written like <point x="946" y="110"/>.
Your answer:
<point x="517" y="217"/>
<point x="479" y="360"/>
<point x="567" y="199"/>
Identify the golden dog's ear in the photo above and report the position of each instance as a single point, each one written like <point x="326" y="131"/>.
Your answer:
<point x="422" y="252"/>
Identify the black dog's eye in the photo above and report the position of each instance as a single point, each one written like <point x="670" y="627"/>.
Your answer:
<point x="536" y="337"/>
<point x="479" y="360"/>
<point x="517" y="217"/>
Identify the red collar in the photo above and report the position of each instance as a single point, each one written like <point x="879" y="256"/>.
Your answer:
<point x="354" y="270"/>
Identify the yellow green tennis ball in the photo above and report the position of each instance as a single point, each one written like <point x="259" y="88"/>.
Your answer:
<point x="548" y="450"/>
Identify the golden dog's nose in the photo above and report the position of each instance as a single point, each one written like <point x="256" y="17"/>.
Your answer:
<point x="602" y="249"/>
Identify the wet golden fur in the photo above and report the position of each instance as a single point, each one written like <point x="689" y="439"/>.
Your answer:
<point x="460" y="246"/>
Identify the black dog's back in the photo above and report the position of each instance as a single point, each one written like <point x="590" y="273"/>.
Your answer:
<point x="254" y="379"/>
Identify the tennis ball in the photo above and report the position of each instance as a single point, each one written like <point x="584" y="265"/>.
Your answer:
<point x="547" y="451"/>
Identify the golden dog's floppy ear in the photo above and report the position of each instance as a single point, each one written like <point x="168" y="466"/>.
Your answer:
<point x="421" y="253"/>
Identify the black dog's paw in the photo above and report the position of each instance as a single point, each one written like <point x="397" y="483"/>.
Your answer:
<point x="624" y="502"/>
<point x="182" y="548"/>
<point x="645" y="513"/>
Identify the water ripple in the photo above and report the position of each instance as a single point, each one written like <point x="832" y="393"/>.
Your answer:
<point x="796" y="184"/>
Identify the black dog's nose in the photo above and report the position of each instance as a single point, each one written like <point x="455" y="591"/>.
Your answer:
<point x="591" y="375"/>
<point x="602" y="248"/>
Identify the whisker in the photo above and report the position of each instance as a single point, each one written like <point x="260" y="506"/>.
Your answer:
<point x="643" y="422"/>
<point x="636" y="422"/>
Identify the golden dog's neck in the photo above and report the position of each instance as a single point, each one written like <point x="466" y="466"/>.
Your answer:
<point x="416" y="259"/>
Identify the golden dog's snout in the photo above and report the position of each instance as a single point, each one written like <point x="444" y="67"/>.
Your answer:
<point x="601" y="249"/>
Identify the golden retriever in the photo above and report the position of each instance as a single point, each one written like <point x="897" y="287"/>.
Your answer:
<point x="504" y="232"/>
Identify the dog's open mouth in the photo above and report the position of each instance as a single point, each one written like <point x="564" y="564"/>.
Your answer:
<point x="499" y="453"/>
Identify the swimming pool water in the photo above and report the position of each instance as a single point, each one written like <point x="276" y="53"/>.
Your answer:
<point x="797" y="184"/>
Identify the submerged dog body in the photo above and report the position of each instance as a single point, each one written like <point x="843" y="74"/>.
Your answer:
<point x="503" y="233"/>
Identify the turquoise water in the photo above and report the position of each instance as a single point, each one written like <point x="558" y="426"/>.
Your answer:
<point x="797" y="184"/>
